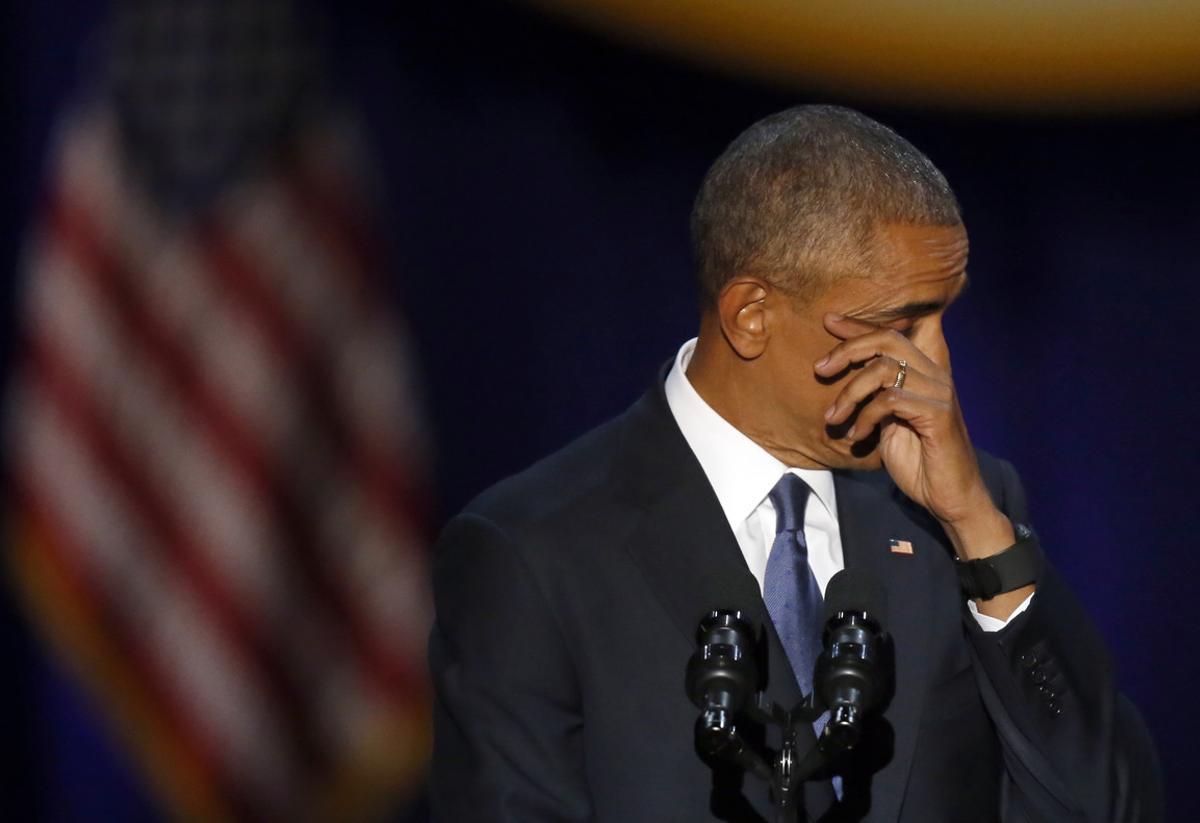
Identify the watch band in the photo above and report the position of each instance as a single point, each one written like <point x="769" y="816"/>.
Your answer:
<point x="1018" y="565"/>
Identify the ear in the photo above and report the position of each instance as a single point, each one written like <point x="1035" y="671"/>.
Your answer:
<point x="742" y="311"/>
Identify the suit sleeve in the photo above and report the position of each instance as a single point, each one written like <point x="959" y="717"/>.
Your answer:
<point x="1073" y="748"/>
<point x="507" y="719"/>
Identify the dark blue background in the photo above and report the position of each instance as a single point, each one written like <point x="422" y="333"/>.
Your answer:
<point x="537" y="181"/>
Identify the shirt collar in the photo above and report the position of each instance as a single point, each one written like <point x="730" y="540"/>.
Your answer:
<point x="741" y="472"/>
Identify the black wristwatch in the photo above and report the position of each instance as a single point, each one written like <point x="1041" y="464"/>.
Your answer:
<point x="1018" y="565"/>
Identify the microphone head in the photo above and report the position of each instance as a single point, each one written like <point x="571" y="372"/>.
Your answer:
<point x="856" y="590"/>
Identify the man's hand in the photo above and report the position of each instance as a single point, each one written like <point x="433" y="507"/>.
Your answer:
<point x="923" y="440"/>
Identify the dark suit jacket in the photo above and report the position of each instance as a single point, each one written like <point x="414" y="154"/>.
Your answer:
<point x="567" y="600"/>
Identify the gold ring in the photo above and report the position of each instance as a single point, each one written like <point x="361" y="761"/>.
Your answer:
<point x="900" y="375"/>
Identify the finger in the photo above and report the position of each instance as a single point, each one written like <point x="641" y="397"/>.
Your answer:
<point x="851" y="330"/>
<point x="924" y="414"/>
<point x="873" y="344"/>
<point x="881" y="373"/>
<point x="841" y="326"/>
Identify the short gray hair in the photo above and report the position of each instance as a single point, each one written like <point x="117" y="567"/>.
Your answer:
<point x="796" y="197"/>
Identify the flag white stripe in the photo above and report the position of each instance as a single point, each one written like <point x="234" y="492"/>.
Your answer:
<point x="361" y="342"/>
<point x="190" y="655"/>
<point x="207" y="469"/>
<point x="206" y="495"/>
<point x="209" y="498"/>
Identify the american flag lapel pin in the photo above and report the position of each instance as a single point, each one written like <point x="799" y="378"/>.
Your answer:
<point x="900" y="546"/>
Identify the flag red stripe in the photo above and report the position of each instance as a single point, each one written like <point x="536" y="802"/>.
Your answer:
<point x="195" y="511"/>
<point x="258" y="650"/>
<point x="75" y="229"/>
<point x="252" y="649"/>
<point x="65" y="552"/>
<point x="393" y="497"/>
<point x="328" y="212"/>
<point x="238" y="278"/>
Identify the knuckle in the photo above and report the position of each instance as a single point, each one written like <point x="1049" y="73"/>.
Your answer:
<point x="882" y="366"/>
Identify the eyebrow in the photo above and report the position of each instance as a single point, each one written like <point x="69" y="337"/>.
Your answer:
<point x="921" y="308"/>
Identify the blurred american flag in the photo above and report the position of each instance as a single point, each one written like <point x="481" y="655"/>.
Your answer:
<point x="214" y="446"/>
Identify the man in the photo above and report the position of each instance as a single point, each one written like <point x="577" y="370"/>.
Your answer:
<point x="812" y="426"/>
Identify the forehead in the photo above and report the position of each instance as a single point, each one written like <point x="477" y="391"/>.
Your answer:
<point x="910" y="263"/>
<point x="914" y="270"/>
<point x="914" y="255"/>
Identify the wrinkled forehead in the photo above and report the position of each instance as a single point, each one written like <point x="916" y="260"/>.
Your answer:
<point x="915" y="270"/>
<point x="934" y="251"/>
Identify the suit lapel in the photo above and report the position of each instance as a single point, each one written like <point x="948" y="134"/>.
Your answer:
<point x="872" y="513"/>
<point x="683" y="545"/>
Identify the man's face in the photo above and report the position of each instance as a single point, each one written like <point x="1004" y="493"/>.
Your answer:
<point x="920" y="271"/>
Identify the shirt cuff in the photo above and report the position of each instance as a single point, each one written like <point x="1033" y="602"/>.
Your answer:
<point x="995" y="624"/>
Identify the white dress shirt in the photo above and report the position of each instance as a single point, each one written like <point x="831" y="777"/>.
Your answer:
<point x="742" y="473"/>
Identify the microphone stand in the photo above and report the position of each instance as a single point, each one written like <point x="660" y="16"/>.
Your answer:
<point x="722" y="679"/>
<point x="718" y="737"/>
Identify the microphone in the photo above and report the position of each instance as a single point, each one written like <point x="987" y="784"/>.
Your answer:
<point x="721" y="680"/>
<point x="721" y="674"/>
<point x="850" y="679"/>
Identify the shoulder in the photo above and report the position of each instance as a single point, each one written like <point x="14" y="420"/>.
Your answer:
<point x="560" y="480"/>
<point x="553" y="529"/>
<point x="577" y="491"/>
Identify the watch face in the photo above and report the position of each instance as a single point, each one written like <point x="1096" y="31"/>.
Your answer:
<point x="988" y="582"/>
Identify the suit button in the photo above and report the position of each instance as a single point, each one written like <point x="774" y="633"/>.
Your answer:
<point x="1039" y="675"/>
<point x="1028" y="660"/>
<point x="1054" y="707"/>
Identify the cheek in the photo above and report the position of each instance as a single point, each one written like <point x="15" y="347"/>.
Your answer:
<point x="804" y="395"/>
<point x="932" y="343"/>
<point x="822" y="392"/>
<point x="807" y="394"/>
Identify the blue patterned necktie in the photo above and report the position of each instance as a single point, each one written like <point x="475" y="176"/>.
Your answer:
<point x="790" y="591"/>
